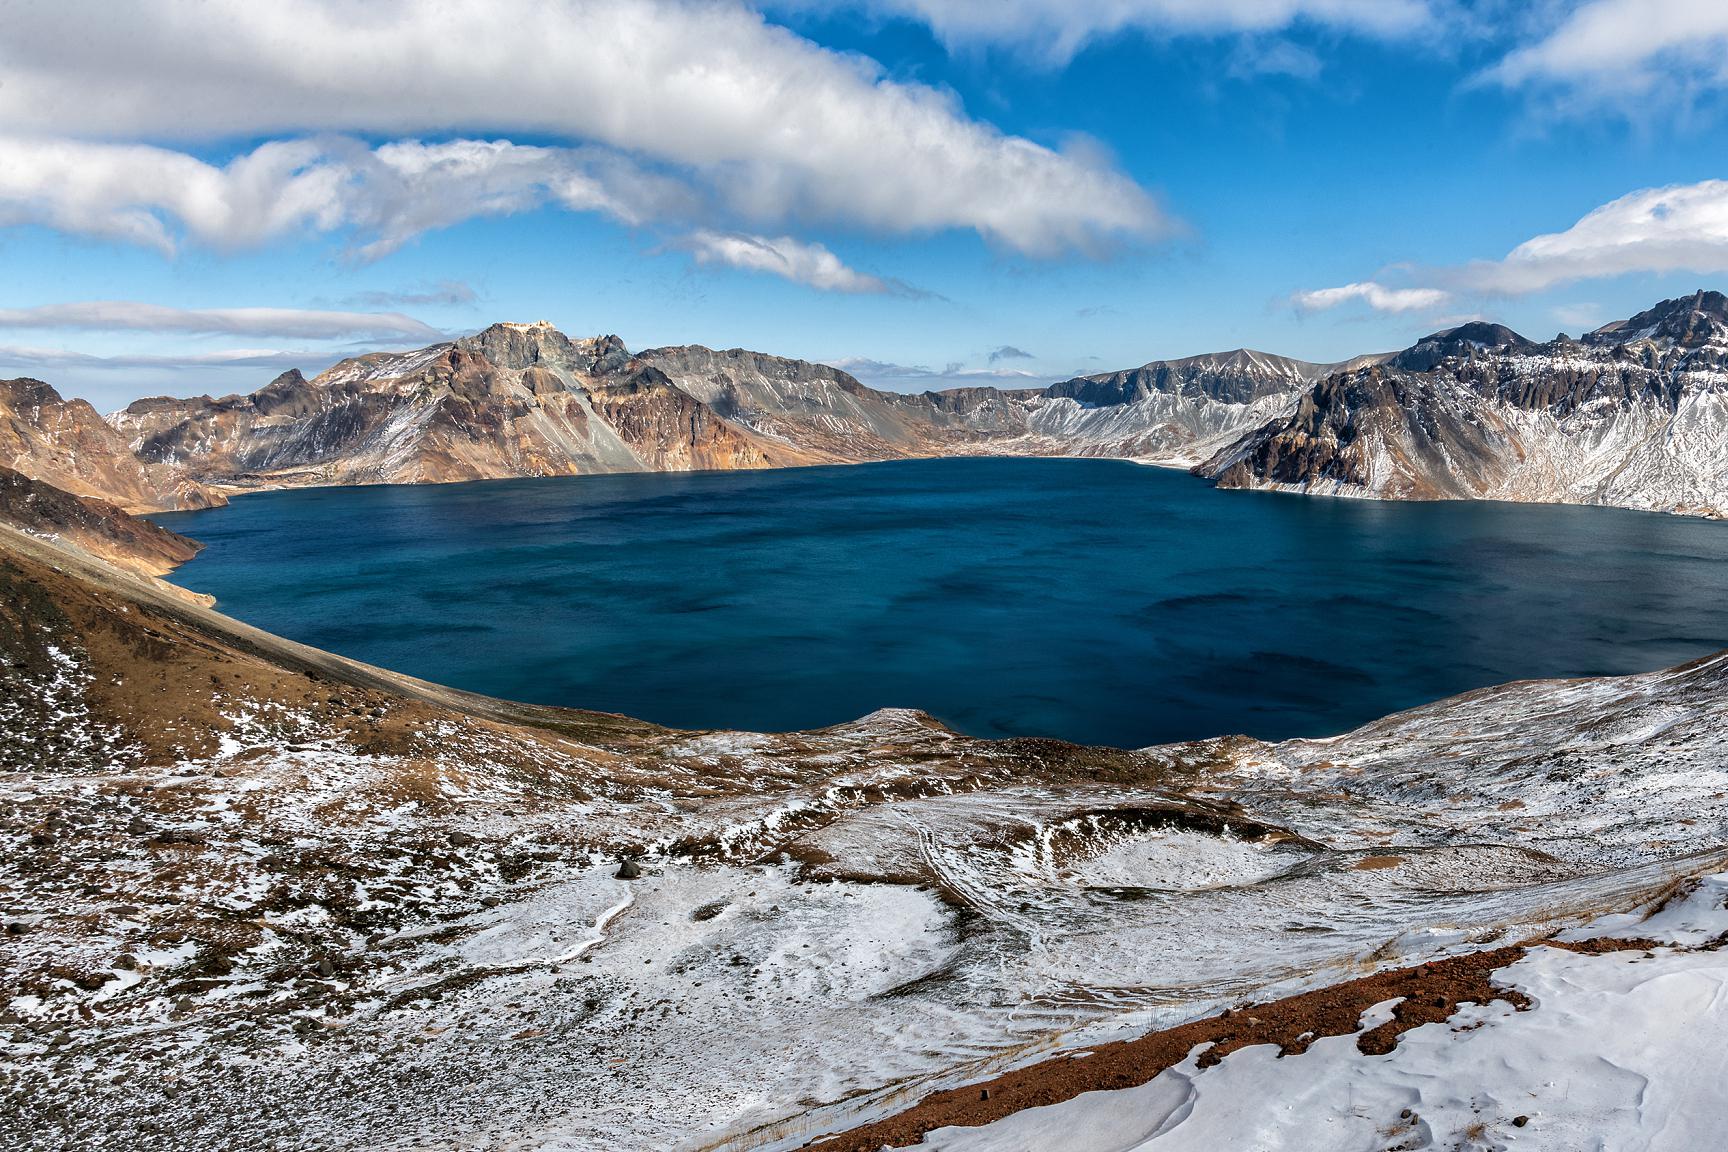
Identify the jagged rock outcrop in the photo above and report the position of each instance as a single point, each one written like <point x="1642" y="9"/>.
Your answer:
<point x="1634" y="414"/>
<point x="1169" y="411"/>
<point x="514" y="400"/>
<point x="67" y="444"/>
<point x="526" y="400"/>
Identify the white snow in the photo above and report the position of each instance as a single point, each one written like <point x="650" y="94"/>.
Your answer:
<point x="1619" y="1051"/>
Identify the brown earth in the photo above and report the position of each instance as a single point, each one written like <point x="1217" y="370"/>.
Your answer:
<point x="1426" y="993"/>
<point x="97" y="526"/>
<point x="66" y="443"/>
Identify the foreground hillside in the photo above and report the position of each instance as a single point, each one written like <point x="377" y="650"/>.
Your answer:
<point x="258" y="895"/>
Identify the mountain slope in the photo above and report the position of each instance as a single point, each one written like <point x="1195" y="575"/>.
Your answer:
<point x="525" y="400"/>
<point x="65" y="443"/>
<point x="1169" y="411"/>
<point x="96" y="526"/>
<point x="514" y="400"/>
<point x="259" y="895"/>
<point x="1634" y="414"/>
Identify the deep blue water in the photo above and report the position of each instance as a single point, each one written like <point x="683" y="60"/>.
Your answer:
<point x="1097" y="601"/>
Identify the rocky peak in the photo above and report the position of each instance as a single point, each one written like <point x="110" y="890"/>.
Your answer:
<point x="27" y="392"/>
<point x="1462" y="342"/>
<point x="1688" y="321"/>
<point x="285" y="394"/>
<point x="519" y="346"/>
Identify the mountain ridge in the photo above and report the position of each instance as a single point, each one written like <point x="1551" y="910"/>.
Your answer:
<point x="1633" y="414"/>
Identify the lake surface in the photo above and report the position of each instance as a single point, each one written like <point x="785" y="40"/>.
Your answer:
<point x="1098" y="601"/>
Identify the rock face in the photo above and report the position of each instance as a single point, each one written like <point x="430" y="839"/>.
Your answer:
<point x="1171" y="411"/>
<point x="1634" y="414"/>
<point x="97" y="526"/>
<point x="515" y="400"/>
<point x="525" y="400"/>
<point x="65" y="443"/>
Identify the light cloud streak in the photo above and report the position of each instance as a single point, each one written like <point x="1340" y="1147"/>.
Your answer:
<point x="1055" y="30"/>
<point x="445" y="292"/>
<point x="24" y="356"/>
<point x="126" y="315"/>
<point x="918" y="377"/>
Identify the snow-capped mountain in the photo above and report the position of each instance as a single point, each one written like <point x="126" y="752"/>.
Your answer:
<point x="1634" y="414"/>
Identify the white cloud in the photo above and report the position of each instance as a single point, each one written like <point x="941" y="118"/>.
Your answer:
<point x="777" y="129"/>
<point x="1611" y="49"/>
<point x="810" y="264"/>
<point x="1054" y="30"/>
<point x="1376" y="296"/>
<point x="126" y="192"/>
<point x="383" y="197"/>
<point x="917" y="377"/>
<point x="1683" y="228"/>
<point x="125" y="315"/>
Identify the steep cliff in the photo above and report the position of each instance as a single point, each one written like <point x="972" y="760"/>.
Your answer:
<point x="1634" y="414"/>
<point x="67" y="444"/>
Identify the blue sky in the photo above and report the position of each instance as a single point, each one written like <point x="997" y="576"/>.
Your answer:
<point x="194" y="196"/>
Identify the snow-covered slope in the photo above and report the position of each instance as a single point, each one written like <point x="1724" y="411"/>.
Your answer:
<point x="263" y="896"/>
<point x="1635" y="415"/>
<point x="1618" y="1048"/>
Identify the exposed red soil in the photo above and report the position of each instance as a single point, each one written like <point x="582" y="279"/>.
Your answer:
<point x="1427" y="994"/>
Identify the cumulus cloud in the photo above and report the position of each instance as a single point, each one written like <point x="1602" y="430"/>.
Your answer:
<point x="1681" y="228"/>
<point x="1055" y="30"/>
<point x="802" y="263"/>
<point x="776" y="129"/>
<point x="126" y="315"/>
<point x="1377" y="296"/>
<point x="1612" y="49"/>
